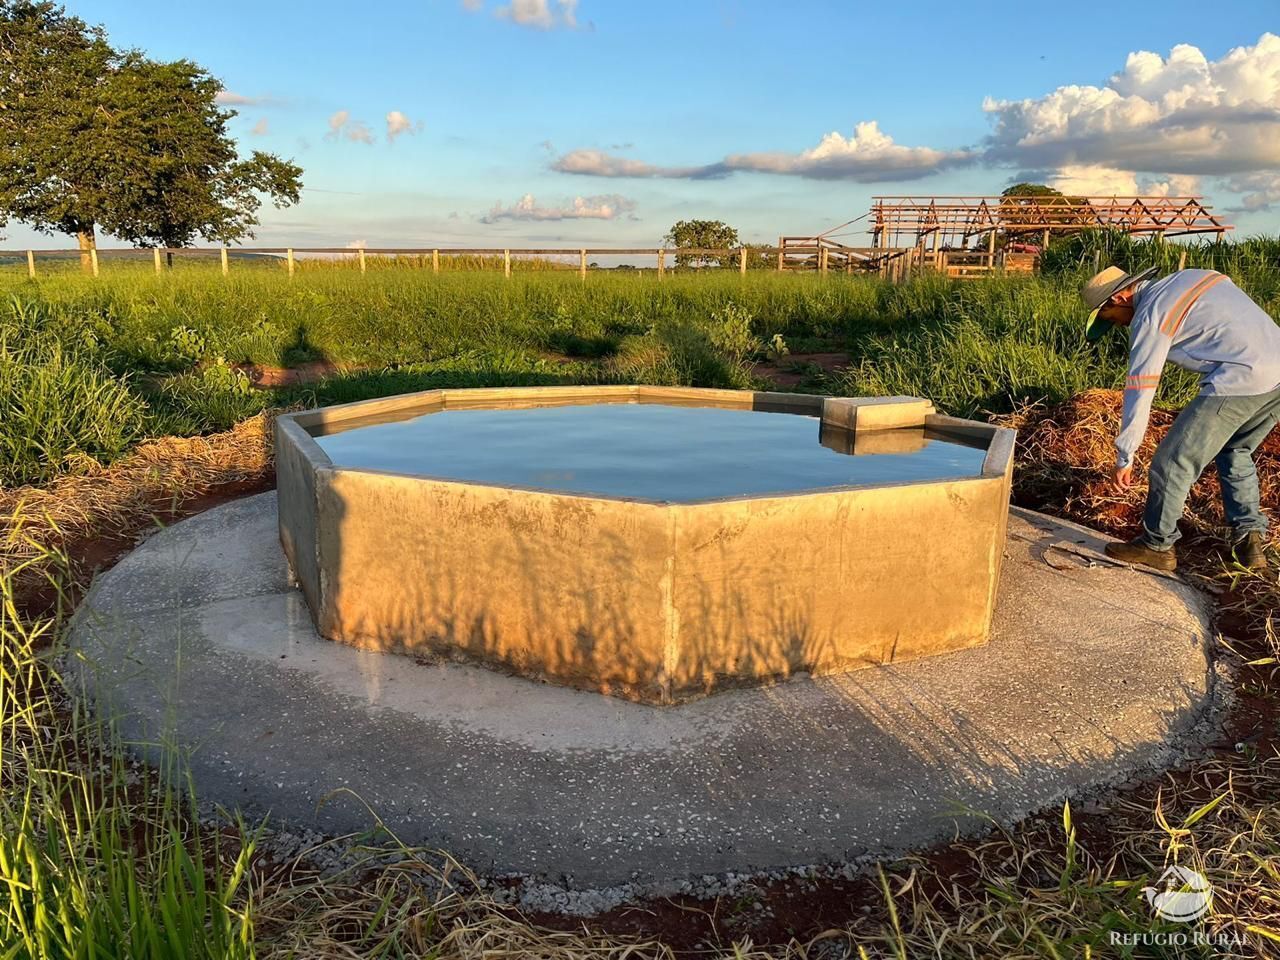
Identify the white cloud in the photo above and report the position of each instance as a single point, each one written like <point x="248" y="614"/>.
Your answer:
<point x="1181" y="114"/>
<point x="229" y="99"/>
<point x="342" y="127"/>
<point x="597" y="163"/>
<point x="1157" y="127"/>
<point x="1097" y="181"/>
<point x="539" y="14"/>
<point x="605" y="207"/>
<point x="398" y="123"/>
<point x="1260" y="190"/>
<point x="261" y="128"/>
<point x="868" y="156"/>
<point x="359" y="132"/>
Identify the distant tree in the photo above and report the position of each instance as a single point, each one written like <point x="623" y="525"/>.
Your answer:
<point x="1025" y="189"/>
<point x="1021" y="194"/>
<point x="760" y="257"/>
<point x="92" y="139"/>
<point x="706" y="234"/>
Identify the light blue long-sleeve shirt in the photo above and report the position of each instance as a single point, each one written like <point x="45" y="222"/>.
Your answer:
<point x="1201" y="321"/>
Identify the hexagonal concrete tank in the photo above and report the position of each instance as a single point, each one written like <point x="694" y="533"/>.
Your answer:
<point x="658" y="600"/>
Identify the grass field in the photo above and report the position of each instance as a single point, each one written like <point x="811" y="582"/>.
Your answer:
<point x="89" y="367"/>
<point x="100" y="857"/>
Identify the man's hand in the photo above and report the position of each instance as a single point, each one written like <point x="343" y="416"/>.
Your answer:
<point x="1123" y="477"/>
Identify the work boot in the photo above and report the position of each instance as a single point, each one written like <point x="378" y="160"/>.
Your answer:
<point x="1135" y="551"/>
<point x="1247" y="551"/>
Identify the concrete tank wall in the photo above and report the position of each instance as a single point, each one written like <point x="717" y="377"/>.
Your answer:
<point x="651" y="601"/>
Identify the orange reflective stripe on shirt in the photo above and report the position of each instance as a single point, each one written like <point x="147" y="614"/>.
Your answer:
<point x="1188" y="300"/>
<point x="1143" y="381"/>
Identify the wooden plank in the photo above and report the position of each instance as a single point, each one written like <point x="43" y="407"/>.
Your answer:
<point x="31" y="264"/>
<point x="226" y="266"/>
<point x="156" y="256"/>
<point x="289" y="257"/>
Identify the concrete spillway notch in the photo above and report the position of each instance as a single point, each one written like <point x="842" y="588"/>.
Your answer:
<point x="197" y="640"/>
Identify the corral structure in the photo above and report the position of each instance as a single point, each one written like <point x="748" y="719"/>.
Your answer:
<point x="940" y="229"/>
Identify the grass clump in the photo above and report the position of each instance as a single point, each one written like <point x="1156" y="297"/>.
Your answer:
<point x="97" y="858"/>
<point x="60" y="408"/>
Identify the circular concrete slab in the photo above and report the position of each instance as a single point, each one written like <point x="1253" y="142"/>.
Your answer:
<point x="197" y="640"/>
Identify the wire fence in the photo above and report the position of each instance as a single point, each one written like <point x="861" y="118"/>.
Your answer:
<point x="821" y="255"/>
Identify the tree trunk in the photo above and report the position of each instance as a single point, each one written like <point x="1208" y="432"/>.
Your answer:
<point x="87" y="242"/>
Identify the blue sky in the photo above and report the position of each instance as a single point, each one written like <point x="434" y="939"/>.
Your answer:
<point x="601" y="123"/>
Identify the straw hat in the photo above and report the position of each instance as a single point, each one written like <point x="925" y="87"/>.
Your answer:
<point x="1100" y="288"/>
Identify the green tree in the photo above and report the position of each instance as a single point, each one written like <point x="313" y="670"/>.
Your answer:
<point x="704" y="234"/>
<point x="1025" y="189"/>
<point x="1021" y="195"/>
<point x="96" y="139"/>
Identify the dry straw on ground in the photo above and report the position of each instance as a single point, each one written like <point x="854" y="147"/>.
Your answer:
<point x="1066" y="453"/>
<point x="157" y="477"/>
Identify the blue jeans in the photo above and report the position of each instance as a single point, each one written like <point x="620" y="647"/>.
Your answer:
<point x="1225" y="430"/>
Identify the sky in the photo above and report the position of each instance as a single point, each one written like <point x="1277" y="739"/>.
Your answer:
<point x="601" y="122"/>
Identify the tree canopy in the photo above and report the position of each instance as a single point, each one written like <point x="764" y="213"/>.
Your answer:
<point x="1025" y="189"/>
<point x="93" y="138"/>
<point x="706" y="234"/>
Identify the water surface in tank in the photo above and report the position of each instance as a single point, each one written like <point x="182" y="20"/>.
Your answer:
<point x="648" y="451"/>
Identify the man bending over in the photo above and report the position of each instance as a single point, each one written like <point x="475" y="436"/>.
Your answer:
<point x="1199" y="320"/>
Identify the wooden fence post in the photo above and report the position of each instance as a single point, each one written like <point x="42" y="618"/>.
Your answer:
<point x="31" y="264"/>
<point x="93" y="259"/>
<point x="742" y="261"/>
<point x="289" y="255"/>
<point x="362" y="259"/>
<point x="779" y="254"/>
<point x="662" y="262"/>
<point x="155" y="255"/>
<point x="226" y="267"/>
<point x="1182" y="261"/>
<point x="435" y="261"/>
<point x="822" y="260"/>
<point x="506" y="264"/>
<point x="582" y="263"/>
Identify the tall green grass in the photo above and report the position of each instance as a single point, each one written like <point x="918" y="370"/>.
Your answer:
<point x="58" y="406"/>
<point x="135" y="354"/>
<point x="98" y="857"/>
